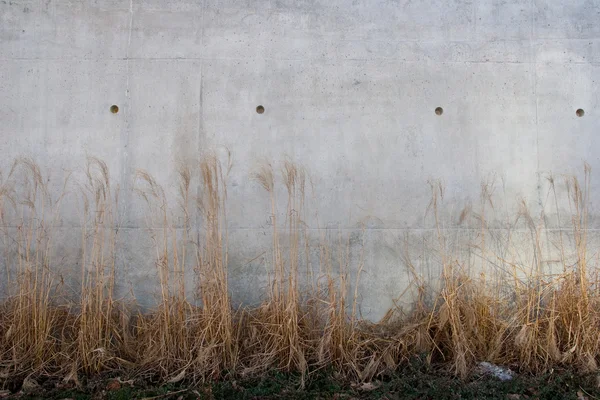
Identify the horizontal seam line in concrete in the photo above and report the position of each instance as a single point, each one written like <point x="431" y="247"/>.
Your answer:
<point x="328" y="229"/>
<point x="66" y="59"/>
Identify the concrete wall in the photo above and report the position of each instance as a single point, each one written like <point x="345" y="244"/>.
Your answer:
<point x="349" y="89"/>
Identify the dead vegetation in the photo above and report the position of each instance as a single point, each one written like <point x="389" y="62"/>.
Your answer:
<point x="509" y="310"/>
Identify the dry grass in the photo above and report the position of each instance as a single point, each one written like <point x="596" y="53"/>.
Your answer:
<point x="502" y="309"/>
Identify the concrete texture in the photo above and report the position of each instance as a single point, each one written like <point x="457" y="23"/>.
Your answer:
<point x="349" y="89"/>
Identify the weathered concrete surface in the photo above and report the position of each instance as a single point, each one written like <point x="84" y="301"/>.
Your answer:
<point x="349" y="89"/>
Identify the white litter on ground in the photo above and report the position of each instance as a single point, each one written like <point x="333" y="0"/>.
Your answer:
<point x="504" y="374"/>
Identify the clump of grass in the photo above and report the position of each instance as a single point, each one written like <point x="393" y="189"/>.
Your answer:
<point x="502" y="308"/>
<point x="217" y="341"/>
<point x="278" y="330"/>
<point x="99" y="327"/>
<point x="28" y="315"/>
<point x="551" y="320"/>
<point x="181" y="339"/>
<point x="163" y="345"/>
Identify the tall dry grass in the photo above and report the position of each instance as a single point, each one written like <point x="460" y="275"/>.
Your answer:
<point x="100" y="323"/>
<point x="278" y="328"/>
<point x="29" y="318"/>
<point x="184" y="339"/>
<point x="506" y="307"/>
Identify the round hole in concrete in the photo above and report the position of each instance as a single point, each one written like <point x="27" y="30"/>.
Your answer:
<point x="580" y="112"/>
<point x="114" y="109"/>
<point x="439" y="111"/>
<point x="260" y="109"/>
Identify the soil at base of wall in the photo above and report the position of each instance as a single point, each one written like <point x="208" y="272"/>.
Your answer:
<point x="410" y="383"/>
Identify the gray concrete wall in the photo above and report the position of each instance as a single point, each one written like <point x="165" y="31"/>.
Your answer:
<point x="349" y="89"/>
